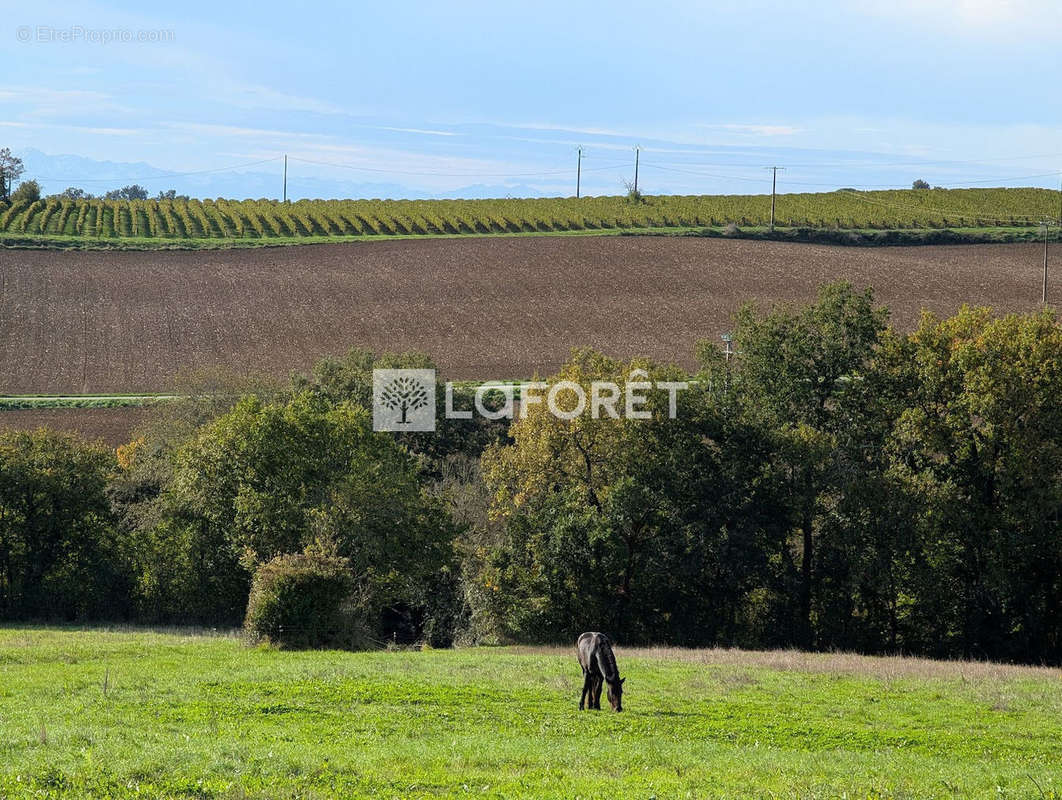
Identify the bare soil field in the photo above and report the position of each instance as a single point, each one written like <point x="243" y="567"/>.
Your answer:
<point x="111" y="426"/>
<point x="485" y="308"/>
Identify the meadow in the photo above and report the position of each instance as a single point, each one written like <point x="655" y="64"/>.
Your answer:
<point x="128" y="713"/>
<point x="56" y="222"/>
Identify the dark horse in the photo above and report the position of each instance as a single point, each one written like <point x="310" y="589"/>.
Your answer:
<point x="599" y="666"/>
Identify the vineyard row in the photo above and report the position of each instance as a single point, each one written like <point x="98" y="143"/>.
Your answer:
<point x="264" y="219"/>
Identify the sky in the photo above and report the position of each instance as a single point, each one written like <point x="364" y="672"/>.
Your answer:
<point x="475" y="98"/>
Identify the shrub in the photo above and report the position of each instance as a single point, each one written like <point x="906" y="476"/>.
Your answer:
<point x="633" y="196"/>
<point x="302" y="600"/>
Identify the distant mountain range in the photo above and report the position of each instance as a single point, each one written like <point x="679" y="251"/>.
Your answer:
<point x="57" y="172"/>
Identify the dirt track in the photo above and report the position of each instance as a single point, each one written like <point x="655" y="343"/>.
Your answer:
<point x="79" y="322"/>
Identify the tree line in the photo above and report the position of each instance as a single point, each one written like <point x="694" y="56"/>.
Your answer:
<point x="12" y="169"/>
<point x="834" y="484"/>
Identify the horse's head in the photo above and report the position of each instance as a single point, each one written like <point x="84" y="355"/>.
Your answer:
<point x="615" y="693"/>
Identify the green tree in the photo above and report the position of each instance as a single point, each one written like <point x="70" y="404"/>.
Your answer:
<point x="171" y="194"/>
<point x="629" y="525"/>
<point x="11" y="169"/>
<point x="976" y="437"/>
<point x="133" y="192"/>
<point x="27" y="191"/>
<point x="797" y="375"/>
<point x="268" y="479"/>
<point x="349" y="379"/>
<point x="59" y="555"/>
<point x="137" y="492"/>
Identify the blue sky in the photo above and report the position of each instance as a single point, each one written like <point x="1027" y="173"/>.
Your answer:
<point x="493" y="98"/>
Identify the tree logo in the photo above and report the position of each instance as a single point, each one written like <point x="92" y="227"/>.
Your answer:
<point x="403" y="400"/>
<point x="403" y="395"/>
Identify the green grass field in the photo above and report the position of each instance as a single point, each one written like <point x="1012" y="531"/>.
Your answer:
<point x="99" y="713"/>
<point x="20" y="402"/>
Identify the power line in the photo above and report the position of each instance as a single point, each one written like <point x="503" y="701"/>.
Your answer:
<point x="161" y="175"/>
<point x="906" y="206"/>
<point x="867" y="163"/>
<point x="543" y="173"/>
<point x="705" y="174"/>
<point x="965" y="182"/>
<point x="749" y="179"/>
<point x="689" y="168"/>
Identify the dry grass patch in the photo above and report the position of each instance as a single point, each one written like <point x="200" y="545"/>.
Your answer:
<point x="882" y="667"/>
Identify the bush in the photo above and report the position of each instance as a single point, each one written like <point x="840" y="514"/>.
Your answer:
<point x="920" y="184"/>
<point x="633" y="195"/>
<point x="302" y="601"/>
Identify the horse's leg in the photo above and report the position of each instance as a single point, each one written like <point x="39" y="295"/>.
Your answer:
<point x="598" y="683"/>
<point x="587" y="690"/>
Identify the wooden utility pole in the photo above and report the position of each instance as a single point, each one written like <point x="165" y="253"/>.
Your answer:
<point x="774" y="187"/>
<point x="285" y="177"/>
<point x="637" y="152"/>
<point x="578" y="172"/>
<point x="1046" y="225"/>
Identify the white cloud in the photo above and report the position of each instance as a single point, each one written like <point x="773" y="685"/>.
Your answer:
<point x="546" y="126"/>
<point x="210" y="129"/>
<point x="46" y="101"/>
<point x="1031" y="18"/>
<point x="755" y="130"/>
<point x="78" y="129"/>
<point x="255" y="96"/>
<point x="421" y="131"/>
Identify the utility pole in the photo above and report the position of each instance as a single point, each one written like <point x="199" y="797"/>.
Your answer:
<point x="774" y="186"/>
<point x="637" y="152"/>
<point x="578" y="173"/>
<point x="285" y="177"/>
<point x="1046" y="224"/>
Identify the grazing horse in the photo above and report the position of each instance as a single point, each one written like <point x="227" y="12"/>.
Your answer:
<point x="599" y="666"/>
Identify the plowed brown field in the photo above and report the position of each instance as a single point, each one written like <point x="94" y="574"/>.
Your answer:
<point x="112" y="426"/>
<point x="98" y="322"/>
